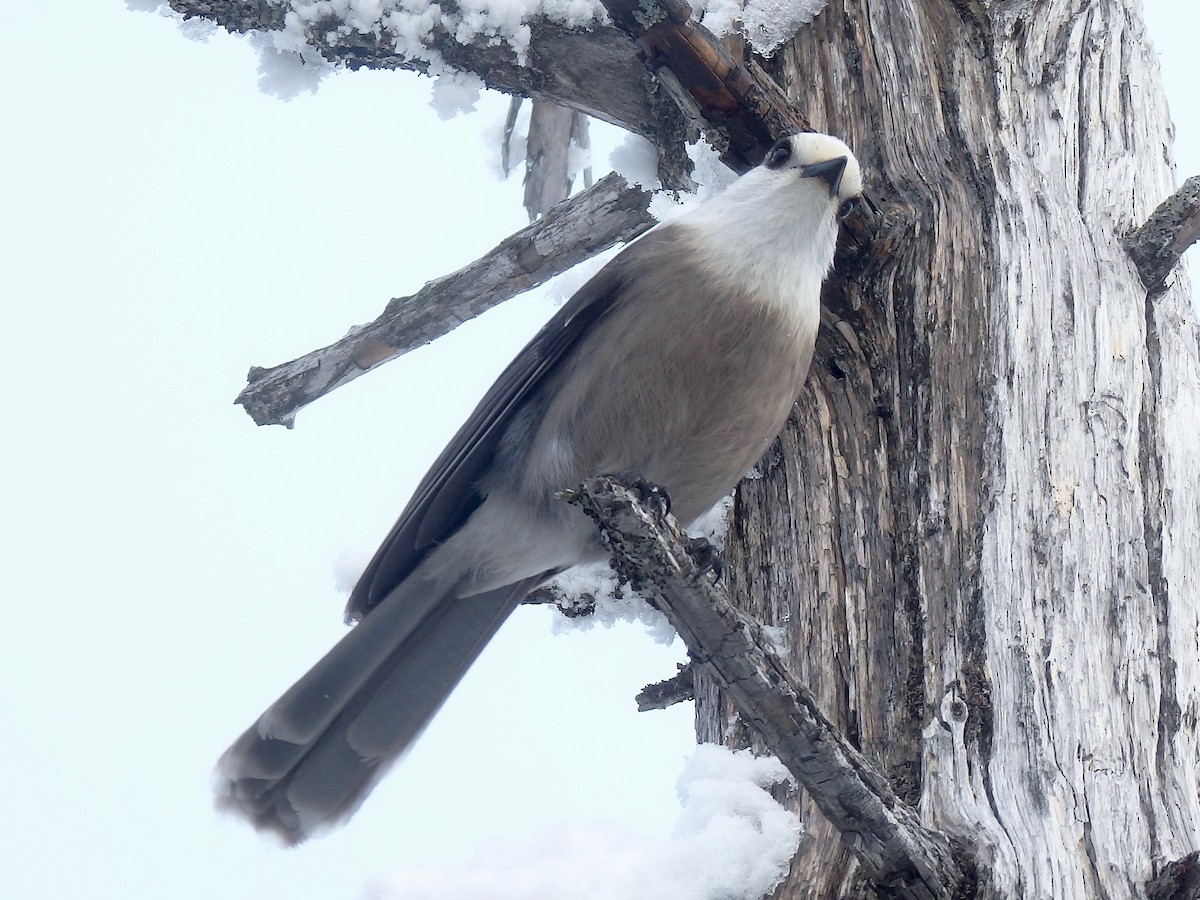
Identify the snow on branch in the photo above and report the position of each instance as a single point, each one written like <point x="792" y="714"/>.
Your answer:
<point x="609" y="212"/>
<point x="896" y="851"/>
<point x="558" y="53"/>
<point x="1173" y="227"/>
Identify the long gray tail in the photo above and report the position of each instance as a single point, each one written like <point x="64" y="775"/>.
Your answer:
<point x="311" y="759"/>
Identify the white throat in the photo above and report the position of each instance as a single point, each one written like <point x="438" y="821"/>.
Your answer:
<point x="771" y="236"/>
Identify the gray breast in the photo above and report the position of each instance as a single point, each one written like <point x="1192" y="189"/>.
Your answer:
<point x="682" y="382"/>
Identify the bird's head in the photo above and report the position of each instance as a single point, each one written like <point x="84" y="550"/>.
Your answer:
<point x="816" y="163"/>
<point x="775" y="229"/>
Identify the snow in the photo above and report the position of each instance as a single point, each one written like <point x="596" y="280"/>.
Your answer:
<point x="597" y="585"/>
<point x="348" y="567"/>
<point x="766" y="24"/>
<point x="454" y="93"/>
<point x="290" y="65"/>
<point x="636" y="160"/>
<point x="731" y="841"/>
<point x="492" y="133"/>
<point x="578" y="158"/>
<point x="708" y="172"/>
<point x="714" y="523"/>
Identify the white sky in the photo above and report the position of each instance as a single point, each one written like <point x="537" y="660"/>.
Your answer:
<point x="165" y="226"/>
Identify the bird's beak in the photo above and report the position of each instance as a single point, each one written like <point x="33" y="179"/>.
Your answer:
<point x="829" y="171"/>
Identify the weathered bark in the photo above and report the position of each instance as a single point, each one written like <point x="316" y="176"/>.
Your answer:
<point x="547" y="163"/>
<point x="1178" y="880"/>
<point x="679" y="688"/>
<point x="976" y="528"/>
<point x="742" y="110"/>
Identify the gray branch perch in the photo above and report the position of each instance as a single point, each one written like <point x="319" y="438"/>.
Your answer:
<point x="1174" y="226"/>
<point x="895" y="850"/>
<point x="609" y="212"/>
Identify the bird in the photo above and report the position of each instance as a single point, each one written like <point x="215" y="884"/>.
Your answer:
<point x="678" y="362"/>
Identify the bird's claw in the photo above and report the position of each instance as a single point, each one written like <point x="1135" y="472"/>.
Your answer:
<point x="652" y="495"/>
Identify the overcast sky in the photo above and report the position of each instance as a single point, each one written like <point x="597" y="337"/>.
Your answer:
<point x="168" y="568"/>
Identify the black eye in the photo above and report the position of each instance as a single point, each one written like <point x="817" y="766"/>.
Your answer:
<point x="779" y="154"/>
<point x="848" y="207"/>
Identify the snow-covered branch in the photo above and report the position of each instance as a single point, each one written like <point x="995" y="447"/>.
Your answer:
<point x="591" y="67"/>
<point x="609" y="212"/>
<point x="1174" y="226"/>
<point x="886" y="835"/>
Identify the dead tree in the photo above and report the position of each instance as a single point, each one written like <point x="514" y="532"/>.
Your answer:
<point x="978" y="531"/>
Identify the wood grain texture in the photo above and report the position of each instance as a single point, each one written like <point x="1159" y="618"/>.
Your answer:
<point x="978" y="530"/>
<point x="547" y="164"/>
<point x="741" y="109"/>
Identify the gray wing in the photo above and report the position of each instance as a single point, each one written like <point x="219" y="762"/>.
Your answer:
<point x="449" y="492"/>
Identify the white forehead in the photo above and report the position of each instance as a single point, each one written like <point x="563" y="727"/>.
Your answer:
<point x="813" y="147"/>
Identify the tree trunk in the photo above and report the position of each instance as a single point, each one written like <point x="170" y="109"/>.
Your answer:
<point x="978" y="529"/>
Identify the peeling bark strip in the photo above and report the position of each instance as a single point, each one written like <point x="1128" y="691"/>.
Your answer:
<point x="609" y="212"/>
<point x="896" y="851"/>
<point x="745" y="111"/>
<point x="741" y="109"/>
<point x="1173" y="227"/>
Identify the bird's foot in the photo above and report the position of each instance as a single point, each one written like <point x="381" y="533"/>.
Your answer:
<point x="651" y="495"/>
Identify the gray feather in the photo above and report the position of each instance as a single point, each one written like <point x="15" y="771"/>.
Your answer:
<point x="340" y="744"/>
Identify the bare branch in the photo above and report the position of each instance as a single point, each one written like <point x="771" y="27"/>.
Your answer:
<point x="569" y="604"/>
<point x="1173" y="227"/>
<point x="608" y="213"/>
<point x="679" y="688"/>
<point x="894" y="848"/>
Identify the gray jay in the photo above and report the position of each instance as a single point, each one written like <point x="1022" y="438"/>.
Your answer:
<point x="679" y="362"/>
